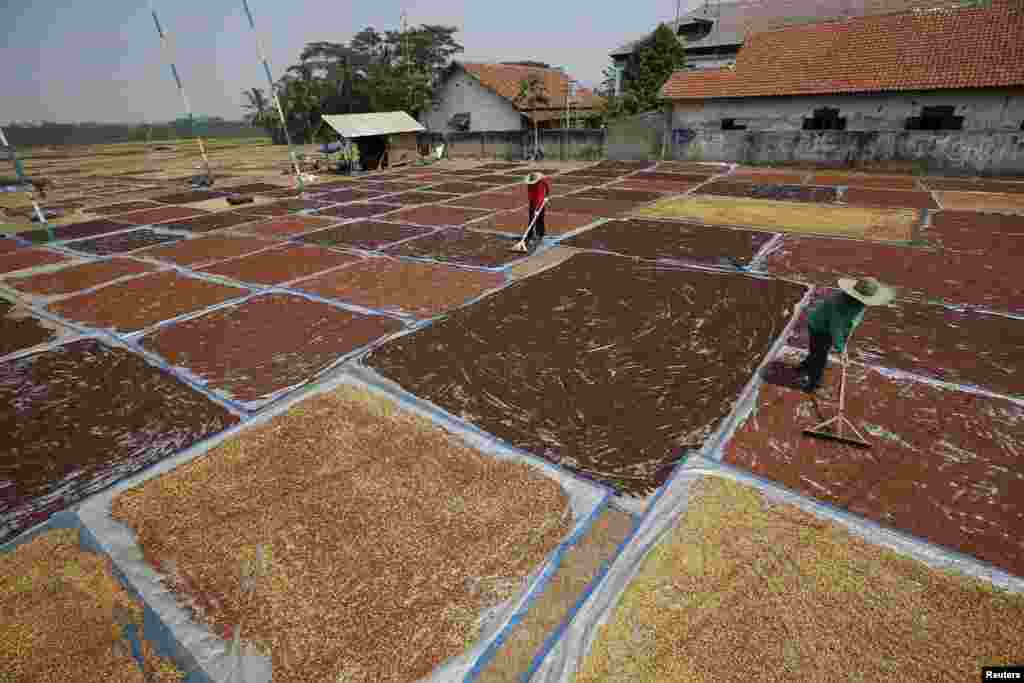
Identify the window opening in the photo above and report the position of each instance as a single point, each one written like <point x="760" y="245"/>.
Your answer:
<point x="826" y="118"/>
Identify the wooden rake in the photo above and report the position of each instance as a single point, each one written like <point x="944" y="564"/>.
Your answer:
<point x="840" y="420"/>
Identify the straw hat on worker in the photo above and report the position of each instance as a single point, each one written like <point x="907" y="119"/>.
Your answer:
<point x="831" y="322"/>
<point x="866" y="290"/>
<point x="534" y="178"/>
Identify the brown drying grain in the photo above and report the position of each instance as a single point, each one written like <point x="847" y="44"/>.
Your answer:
<point x="743" y="589"/>
<point x="58" y="604"/>
<point x="388" y="536"/>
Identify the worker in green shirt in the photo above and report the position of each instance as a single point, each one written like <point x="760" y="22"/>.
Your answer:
<point x="831" y="322"/>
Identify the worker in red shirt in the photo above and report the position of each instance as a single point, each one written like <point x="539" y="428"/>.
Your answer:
<point x="537" y="190"/>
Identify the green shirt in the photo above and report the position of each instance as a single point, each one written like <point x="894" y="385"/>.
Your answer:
<point x="837" y="316"/>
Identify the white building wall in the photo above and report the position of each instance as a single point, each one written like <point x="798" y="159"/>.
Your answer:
<point x="992" y="109"/>
<point x="463" y="93"/>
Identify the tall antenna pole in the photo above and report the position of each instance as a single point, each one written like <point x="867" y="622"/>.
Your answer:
<point x="165" y="43"/>
<point x="405" y="54"/>
<point x="19" y="170"/>
<point x="273" y="92"/>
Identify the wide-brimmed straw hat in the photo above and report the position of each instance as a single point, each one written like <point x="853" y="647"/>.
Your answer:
<point x="867" y="290"/>
<point x="534" y="177"/>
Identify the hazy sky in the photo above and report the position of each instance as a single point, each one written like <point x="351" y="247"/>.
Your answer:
<point x="100" y="60"/>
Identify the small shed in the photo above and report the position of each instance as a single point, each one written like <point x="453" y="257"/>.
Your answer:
<point x="383" y="138"/>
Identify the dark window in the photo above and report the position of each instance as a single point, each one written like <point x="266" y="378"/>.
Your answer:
<point x="825" y="118"/>
<point x="695" y="29"/>
<point x="1022" y="125"/>
<point x="460" y="121"/>
<point x="730" y="124"/>
<point x="936" y="118"/>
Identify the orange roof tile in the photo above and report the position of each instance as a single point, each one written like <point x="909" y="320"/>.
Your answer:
<point x="504" y="80"/>
<point x="921" y="50"/>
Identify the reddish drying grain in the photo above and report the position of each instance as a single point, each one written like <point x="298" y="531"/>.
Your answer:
<point x="250" y="351"/>
<point x="387" y="537"/>
<point x="419" y="289"/>
<point x="979" y="233"/>
<point x="457" y="188"/>
<point x="370" y="235"/>
<point x="662" y="186"/>
<point x="516" y="222"/>
<point x="876" y="182"/>
<point x="691" y="178"/>
<point x="136" y="304"/>
<point x="600" y="364"/>
<point x="189" y="197"/>
<point x="76" y="230"/>
<point x="364" y="210"/>
<point x="856" y="196"/>
<point x="934" y="341"/>
<point x="786" y="193"/>
<point x="348" y="195"/>
<point x="591" y="207"/>
<point x="286" y="227"/>
<point x="122" y="207"/>
<point x="7" y="245"/>
<point x="82" y="416"/>
<point x="212" y="221"/>
<point x="19" y="329"/>
<point x="162" y="215"/>
<point x="415" y="198"/>
<point x="617" y="195"/>
<point x="438" y="215"/>
<point x="252" y="188"/>
<point x="980" y="280"/>
<point x="491" y="200"/>
<point x="460" y="246"/>
<point x="122" y="242"/>
<point x="764" y="176"/>
<point x="973" y="185"/>
<point x="673" y="240"/>
<point x="944" y="464"/>
<point x="205" y="250"/>
<point x="28" y="258"/>
<point x="497" y="179"/>
<point x="79" y="277"/>
<point x="282" y="264"/>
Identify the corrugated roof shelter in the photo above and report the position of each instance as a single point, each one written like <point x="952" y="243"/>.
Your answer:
<point x="377" y="123"/>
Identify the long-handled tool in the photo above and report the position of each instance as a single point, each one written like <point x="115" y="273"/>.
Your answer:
<point x="521" y="244"/>
<point x="840" y="418"/>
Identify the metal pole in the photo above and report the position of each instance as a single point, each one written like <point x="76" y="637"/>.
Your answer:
<point x="277" y="99"/>
<point x="19" y="170"/>
<point x="177" y="79"/>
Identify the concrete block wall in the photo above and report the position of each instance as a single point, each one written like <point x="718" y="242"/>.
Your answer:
<point x="982" y="109"/>
<point x="463" y="93"/>
<point x="989" y="153"/>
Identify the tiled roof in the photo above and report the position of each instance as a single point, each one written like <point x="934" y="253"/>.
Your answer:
<point x="933" y="50"/>
<point x="732" y="21"/>
<point x="504" y="80"/>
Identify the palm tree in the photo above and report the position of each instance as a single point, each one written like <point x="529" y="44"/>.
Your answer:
<point x="531" y="95"/>
<point x="256" y="103"/>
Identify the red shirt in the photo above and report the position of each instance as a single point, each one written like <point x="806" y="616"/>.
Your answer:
<point x="537" y="192"/>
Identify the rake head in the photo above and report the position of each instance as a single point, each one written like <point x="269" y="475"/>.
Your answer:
<point x="830" y="436"/>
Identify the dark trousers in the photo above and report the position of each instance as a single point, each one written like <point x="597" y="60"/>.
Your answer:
<point x="817" y="359"/>
<point x="538" y="227"/>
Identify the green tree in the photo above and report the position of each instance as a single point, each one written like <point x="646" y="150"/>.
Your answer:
<point x="660" y="55"/>
<point x="532" y="94"/>
<point x="652" y="62"/>
<point x="373" y="72"/>
<point x="256" y="106"/>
